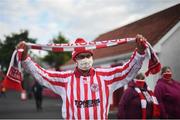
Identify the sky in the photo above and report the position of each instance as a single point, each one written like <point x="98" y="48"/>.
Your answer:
<point x="45" y="19"/>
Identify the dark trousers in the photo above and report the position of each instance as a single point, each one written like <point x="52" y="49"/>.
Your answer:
<point x="38" y="101"/>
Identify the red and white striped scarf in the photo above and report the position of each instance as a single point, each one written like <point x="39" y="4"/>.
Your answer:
<point x="156" y="109"/>
<point x="69" y="47"/>
<point x="14" y="72"/>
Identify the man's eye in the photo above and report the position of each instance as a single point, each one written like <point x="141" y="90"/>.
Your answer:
<point x="88" y="56"/>
<point x="81" y="56"/>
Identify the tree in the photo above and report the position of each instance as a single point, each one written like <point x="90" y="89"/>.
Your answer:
<point x="57" y="59"/>
<point x="8" y="45"/>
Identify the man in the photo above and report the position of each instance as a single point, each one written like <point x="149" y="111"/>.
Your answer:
<point x="86" y="91"/>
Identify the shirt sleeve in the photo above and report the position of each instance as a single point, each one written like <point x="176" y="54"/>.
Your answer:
<point x="119" y="76"/>
<point x="53" y="80"/>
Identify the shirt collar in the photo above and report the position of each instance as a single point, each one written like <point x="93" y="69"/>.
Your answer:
<point x="78" y="74"/>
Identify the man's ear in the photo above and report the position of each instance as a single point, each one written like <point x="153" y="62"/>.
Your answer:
<point x="75" y="60"/>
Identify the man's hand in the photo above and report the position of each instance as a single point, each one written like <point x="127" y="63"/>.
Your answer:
<point x="141" y="44"/>
<point x="22" y="46"/>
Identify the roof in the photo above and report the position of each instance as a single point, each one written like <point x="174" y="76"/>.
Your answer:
<point x="153" y="27"/>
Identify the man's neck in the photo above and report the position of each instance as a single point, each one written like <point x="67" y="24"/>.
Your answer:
<point x="83" y="72"/>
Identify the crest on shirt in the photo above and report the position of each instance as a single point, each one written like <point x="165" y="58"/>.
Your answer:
<point x="94" y="87"/>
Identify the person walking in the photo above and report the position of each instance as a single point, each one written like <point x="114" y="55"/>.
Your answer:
<point x="37" y="91"/>
<point x="86" y="91"/>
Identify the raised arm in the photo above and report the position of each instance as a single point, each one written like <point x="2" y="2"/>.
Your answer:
<point x="55" y="81"/>
<point x="119" y="76"/>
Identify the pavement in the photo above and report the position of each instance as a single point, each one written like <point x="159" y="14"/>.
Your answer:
<point x="12" y="107"/>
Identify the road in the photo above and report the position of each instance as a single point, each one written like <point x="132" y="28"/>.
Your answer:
<point x="12" y="107"/>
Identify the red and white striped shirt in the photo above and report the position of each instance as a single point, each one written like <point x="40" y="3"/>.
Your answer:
<point x="86" y="97"/>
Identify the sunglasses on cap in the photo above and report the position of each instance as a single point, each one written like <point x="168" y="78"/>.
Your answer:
<point x="82" y="56"/>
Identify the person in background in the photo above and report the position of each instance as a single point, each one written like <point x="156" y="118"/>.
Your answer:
<point x="138" y="101"/>
<point x="37" y="91"/>
<point x="167" y="91"/>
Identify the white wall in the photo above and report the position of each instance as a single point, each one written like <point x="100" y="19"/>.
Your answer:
<point x="170" y="53"/>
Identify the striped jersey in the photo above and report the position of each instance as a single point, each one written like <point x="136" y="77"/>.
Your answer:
<point x="86" y="97"/>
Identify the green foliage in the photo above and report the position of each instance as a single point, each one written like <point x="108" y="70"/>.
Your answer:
<point x="8" y="45"/>
<point x="57" y="59"/>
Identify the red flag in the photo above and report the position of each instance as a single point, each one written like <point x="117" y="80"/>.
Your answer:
<point x="13" y="77"/>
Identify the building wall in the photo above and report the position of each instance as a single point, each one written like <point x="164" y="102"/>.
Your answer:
<point x="170" y="53"/>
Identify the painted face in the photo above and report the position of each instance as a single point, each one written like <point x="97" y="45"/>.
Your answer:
<point x="84" y="61"/>
<point x="167" y="75"/>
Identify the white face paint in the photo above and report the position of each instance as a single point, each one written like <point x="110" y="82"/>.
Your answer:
<point x="85" y="64"/>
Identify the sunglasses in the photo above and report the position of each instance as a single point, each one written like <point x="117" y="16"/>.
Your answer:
<point x="81" y="56"/>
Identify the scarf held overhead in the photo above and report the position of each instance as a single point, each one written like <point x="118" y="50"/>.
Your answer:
<point x="13" y="78"/>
